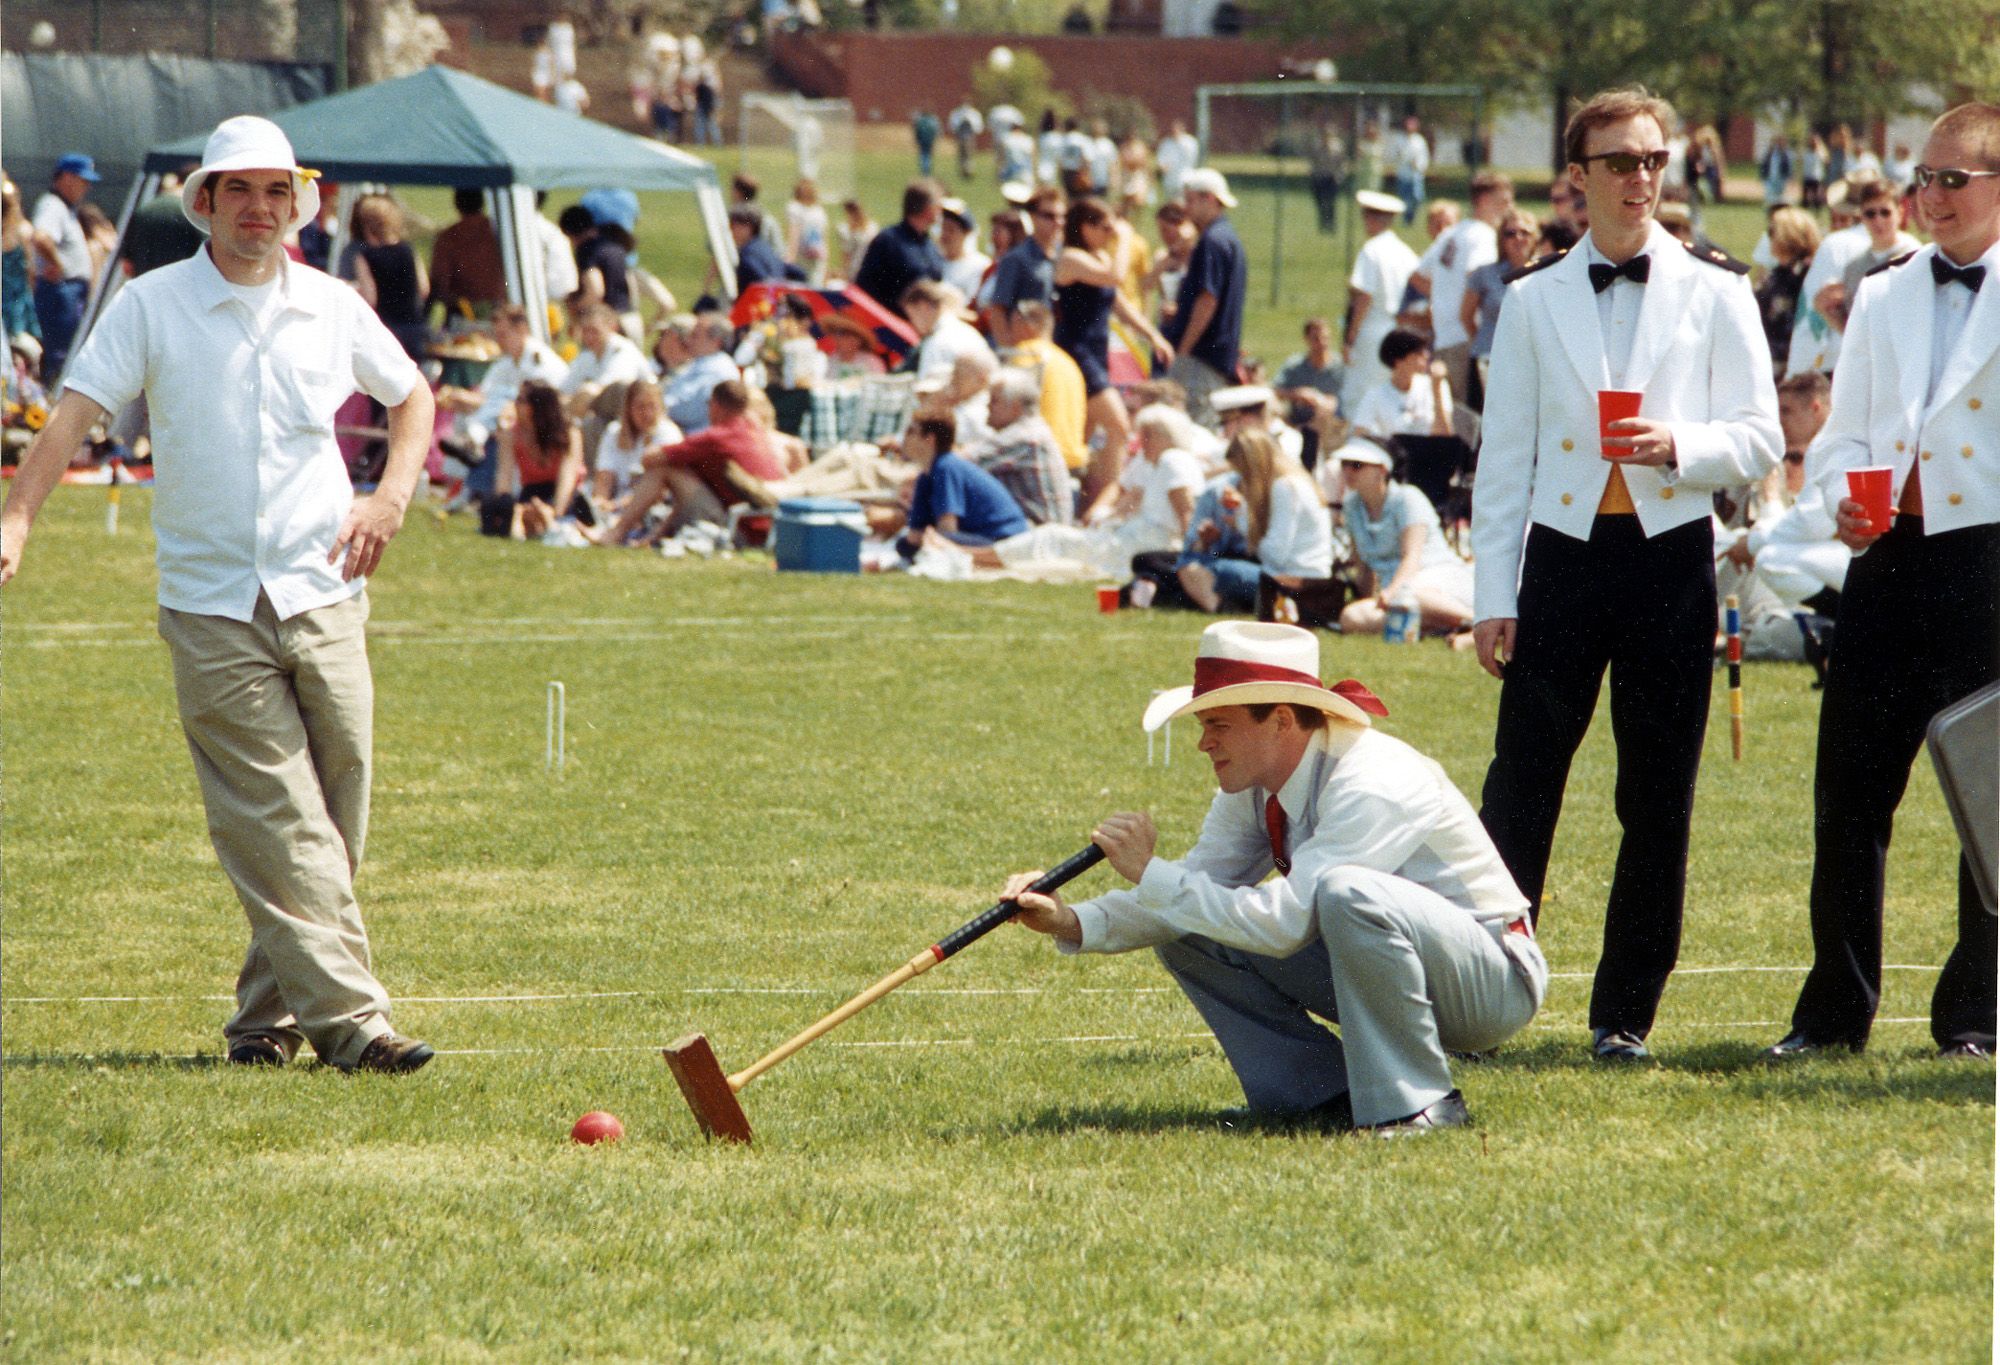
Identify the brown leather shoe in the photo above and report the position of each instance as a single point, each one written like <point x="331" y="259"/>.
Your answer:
<point x="392" y="1054"/>
<point x="257" y="1049"/>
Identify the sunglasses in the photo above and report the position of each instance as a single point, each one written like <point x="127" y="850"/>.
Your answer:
<point x="1625" y="163"/>
<point x="1947" y="179"/>
<point x="1046" y="215"/>
<point x="1878" y="213"/>
<point x="1349" y="466"/>
<point x="1516" y="232"/>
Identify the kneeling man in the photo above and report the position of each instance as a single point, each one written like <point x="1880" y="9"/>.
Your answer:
<point x="1391" y="915"/>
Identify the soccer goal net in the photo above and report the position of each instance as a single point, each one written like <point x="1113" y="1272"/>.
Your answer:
<point x="783" y="139"/>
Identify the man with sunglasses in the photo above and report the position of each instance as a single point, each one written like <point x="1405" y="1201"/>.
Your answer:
<point x="1597" y="554"/>
<point x="1918" y="390"/>
<point x="1882" y="219"/>
<point x="1027" y="273"/>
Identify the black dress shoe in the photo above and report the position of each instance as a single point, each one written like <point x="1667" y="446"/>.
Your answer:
<point x="392" y="1054"/>
<point x="1795" y="1046"/>
<point x="1448" y="1112"/>
<point x="257" y="1049"/>
<point x="1333" y="1116"/>
<point x="1618" y="1045"/>
<point x="1966" y="1051"/>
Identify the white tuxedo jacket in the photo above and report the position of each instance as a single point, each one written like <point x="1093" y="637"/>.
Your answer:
<point x="1698" y="355"/>
<point x="1883" y="413"/>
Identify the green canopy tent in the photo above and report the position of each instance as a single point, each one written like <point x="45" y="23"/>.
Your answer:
<point x="444" y="127"/>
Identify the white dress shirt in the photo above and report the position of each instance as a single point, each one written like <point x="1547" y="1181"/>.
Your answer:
<point x="249" y="488"/>
<point x="1617" y="315"/>
<point x="1358" y="798"/>
<point x="1948" y="313"/>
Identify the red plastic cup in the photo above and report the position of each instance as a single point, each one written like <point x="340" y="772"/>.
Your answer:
<point x="1615" y="405"/>
<point x="1107" y="601"/>
<point x="1874" y="488"/>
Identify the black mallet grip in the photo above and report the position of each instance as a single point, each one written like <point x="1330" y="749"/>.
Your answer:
<point x="986" y="921"/>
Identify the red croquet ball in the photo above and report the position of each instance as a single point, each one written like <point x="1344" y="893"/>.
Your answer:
<point x="597" y="1126"/>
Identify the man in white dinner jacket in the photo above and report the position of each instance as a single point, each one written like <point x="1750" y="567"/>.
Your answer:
<point x="1598" y="554"/>
<point x="1391" y="911"/>
<point x="1917" y="390"/>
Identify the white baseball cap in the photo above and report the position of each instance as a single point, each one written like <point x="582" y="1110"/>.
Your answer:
<point x="1243" y="663"/>
<point x="1207" y="181"/>
<point x="249" y="143"/>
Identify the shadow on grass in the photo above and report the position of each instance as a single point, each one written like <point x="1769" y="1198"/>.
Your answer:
<point x="1152" y="1119"/>
<point x="108" y="1061"/>
<point x="1881" y="1073"/>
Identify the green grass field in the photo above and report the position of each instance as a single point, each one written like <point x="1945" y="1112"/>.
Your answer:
<point x="777" y="789"/>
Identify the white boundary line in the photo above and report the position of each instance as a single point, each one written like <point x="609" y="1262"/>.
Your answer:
<point x="826" y="990"/>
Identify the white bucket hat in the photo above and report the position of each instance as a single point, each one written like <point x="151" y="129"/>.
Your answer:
<point x="1244" y="663"/>
<point x="249" y="143"/>
<point x="1206" y="180"/>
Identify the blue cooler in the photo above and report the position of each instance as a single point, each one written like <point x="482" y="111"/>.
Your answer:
<point x="818" y="535"/>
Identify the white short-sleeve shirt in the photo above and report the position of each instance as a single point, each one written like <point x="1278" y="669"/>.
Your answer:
<point x="58" y="221"/>
<point x="1156" y="481"/>
<point x="249" y="488"/>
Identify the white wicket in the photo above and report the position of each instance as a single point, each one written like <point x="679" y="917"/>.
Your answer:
<point x="555" y="729"/>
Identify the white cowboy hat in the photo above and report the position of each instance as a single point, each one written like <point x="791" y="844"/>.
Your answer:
<point x="1208" y="181"/>
<point x="1244" y="663"/>
<point x="249" y="143"/>
<point x="1377" y="202"/>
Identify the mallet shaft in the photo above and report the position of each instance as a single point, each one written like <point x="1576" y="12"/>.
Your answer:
<point x="972" y="930"/>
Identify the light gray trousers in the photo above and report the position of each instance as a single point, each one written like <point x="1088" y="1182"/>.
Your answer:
<point x="1403" y="971"/>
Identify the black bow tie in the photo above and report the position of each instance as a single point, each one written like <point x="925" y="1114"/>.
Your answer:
<point x="1944" y="272"/>
<point x="1635" y="270"/>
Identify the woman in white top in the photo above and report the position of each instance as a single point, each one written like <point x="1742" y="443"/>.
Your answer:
<point x="1284" y="522"/>
<point x="1415" y="400"/>
<point x="807" y="233"/>
<point x="642" y="427"/>
<point x="1154" y="504"/>
<point x="1401" y="545"/>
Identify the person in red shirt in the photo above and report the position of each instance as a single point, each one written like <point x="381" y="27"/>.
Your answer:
<point x="695" y="472"/>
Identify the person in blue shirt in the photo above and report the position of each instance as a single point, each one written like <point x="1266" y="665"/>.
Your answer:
<point x="757" y="261"/>
<point x="953" y="498"/>
<point x="904" y="253"/>
<point x="1398" y="537"/>
<point x="1027" y="272"/>
<point x="1207" y="326"/>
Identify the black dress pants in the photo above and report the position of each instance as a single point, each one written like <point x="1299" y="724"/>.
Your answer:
<point x="1644" y="609"/>
<point x="1919" y="629"/>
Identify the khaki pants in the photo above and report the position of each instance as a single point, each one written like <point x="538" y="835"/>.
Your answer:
<point x="279" y="718"/>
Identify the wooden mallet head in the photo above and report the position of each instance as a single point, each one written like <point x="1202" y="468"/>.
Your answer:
<point x="706" y="1089"/>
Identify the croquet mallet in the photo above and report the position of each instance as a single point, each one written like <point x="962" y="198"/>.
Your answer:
<point x="712" y="1095"/>
<point x="1732" y="625"/>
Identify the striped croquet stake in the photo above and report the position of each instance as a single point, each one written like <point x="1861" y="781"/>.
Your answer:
<point x="1732" y="623"/>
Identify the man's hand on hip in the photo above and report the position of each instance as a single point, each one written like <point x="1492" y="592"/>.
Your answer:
<point x="1049" y="915"/>
<point x="1127" y="839"/>
<point x="370" y="525"/>
<point x="1495" y="641"/>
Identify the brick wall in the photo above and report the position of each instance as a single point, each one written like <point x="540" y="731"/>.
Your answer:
<point x="889" y="76"/>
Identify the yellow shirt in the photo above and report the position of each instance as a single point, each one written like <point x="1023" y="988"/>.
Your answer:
<point x="1062" y="396"/>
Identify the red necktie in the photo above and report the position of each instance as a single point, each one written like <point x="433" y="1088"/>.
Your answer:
<point x="1275" y="822"/>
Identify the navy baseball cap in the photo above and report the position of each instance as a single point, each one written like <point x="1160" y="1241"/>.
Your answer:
<point x="79" y="164"/>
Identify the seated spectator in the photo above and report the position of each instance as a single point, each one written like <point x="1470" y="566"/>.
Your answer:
<point x="854" y="355"/>
<point x="1309" y="384"/>
<point x="1030" y="326"/>
<point x="687" y="387"/>
<point x="642" y="427"/>
<point x="1252" y="407"/>
<point x="801" y="363"/>
<point x="952" y="497"/>
<point x="1401" y="405"/>
<point x="541" y="468"/>
<point x="695" y="471"/>
<point x="1788" y="561"/>
<point x="388" y="273"/>
<point x="1401" y="546"/>
<point x="487" y="410"/>
<point x="932" y="309"/>
<point x="791" y="453"/>
<point x="964" y="394"/>
<point x="1151" y="514"/>
<point x="467" y="276"/>
<point x="606" y="356"/>
<point x="757" y="261"/>
<point x="1022" y="453"/>
<point x="1286" y="531"/>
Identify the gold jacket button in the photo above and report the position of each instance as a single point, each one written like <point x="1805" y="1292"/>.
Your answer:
<point x="1972" y="403"/>
<point x="1567" y="500"/>
<point x="1926" y="455"/>
<point x="1666" y="492"/>
<point x="1955" y="499"/>
<point x="1965" y="451"/>
<point x="1568" y="444"/>
<point x="1900" y="447"/>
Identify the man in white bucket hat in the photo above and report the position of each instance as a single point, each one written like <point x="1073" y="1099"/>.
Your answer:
<point x="1391" y="914"/>
<point x="263" y="552"/>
